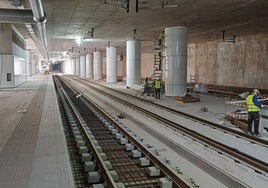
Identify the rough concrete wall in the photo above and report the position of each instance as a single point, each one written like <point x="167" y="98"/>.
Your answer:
<point x="225" y="66"/>
<point x="256" y="69"/>
<point x="243" y="63"/>
<point x="202" y="62"/>
<point x="147" y="63"/>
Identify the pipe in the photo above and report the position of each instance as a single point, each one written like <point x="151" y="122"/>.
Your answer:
<point x="16" y="16"/>
<point x="38" y="11"/>
<point x="40" y="18"/>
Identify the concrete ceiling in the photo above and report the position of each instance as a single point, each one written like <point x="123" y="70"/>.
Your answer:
<point x="111" y="21"/>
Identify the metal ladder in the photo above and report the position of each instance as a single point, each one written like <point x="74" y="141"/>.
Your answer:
<point x="193" y="81"/>
<point x="158" y="58"/>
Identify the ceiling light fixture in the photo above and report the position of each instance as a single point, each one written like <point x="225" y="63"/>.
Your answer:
<point x="166" y="5"/>
<point x="91" y="32"/>
<point x="227" y="40"/>
<point x="78" y="41"/>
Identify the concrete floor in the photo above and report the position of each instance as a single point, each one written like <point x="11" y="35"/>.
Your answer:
<point x="33" y="150"/>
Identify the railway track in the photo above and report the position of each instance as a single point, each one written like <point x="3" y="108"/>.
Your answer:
<point x="108" y="156"/>
<point x="174" y="111"/>
<point x="258" y="165"/>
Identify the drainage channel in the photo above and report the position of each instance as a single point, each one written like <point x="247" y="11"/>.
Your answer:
<point x="107" y="157"/>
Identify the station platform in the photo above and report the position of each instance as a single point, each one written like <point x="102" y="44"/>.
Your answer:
<point x="33" y="151"/>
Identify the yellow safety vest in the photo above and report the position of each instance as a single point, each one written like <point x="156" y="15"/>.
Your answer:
<point x="157" y="84"/>
<point x="250" y="104"/>
<point x="145" y="83"/>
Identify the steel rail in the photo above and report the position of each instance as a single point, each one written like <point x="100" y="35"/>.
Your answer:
<point x="181" y="113"/>
<point x="256" y="164"/>
<point x="174" y="176"/>
<point x="106" y="175"/>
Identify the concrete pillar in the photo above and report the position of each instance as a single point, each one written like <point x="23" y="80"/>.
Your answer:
<point x="111" y="64"/>
<point x="73" y="66"/>
<point x="176" y="61"/>
<point x="77" y="66"/>
<point x="89" y="66"/>
<point x="97" y="65"/>
<point x="5" y="39"/>
<point x="34" y="60"/>
<point x="7" y="78"/>
<point x="67" y="67"/>
<point x="133" y="62"/>
<point x="82" y="66"/>
<point x="28" y="63"/>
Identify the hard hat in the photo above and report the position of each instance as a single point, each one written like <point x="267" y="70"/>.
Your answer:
<point x="256" y="92"/>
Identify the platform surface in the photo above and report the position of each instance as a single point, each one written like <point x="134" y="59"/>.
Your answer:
<point x="33" y="150"/>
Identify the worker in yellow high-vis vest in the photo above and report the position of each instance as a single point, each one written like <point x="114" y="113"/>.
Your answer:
<point x="157" y="88"/>
<point x="146" y="86"/>
<point x="253" y="107"/>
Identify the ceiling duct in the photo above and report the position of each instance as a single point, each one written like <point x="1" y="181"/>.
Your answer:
<point x="40" y="18"/>
<point x="16" y="16"/>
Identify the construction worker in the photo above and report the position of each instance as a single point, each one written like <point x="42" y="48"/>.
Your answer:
<point x="157" y="88"/>
<point x="146" y="86"/>
<point x="160" y="38"/>
<point x="253" y="107"/>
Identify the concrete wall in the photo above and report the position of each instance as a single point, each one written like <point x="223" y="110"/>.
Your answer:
<point x="147" y="64"/>
<point x="121" y="66"/>
<point x="243" y="63"/>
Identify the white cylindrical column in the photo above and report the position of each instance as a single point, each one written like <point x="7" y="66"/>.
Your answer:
<point x="176" y="61"/>
<point x="67" y="67"/>
<point x="89" y="66"/>
<point x="28" y="63"/>
<point x="77" y="66"/>
<point x="82" y="66"/>
<point x="73" y="68"/>
<point x="34" y="60"/>
<point x="111" y="64"/>
<point x="97" y="65"/>
<point x="64" y="67"/>
<point x="133" y="62"/>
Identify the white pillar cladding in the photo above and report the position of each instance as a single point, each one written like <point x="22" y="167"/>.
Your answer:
<point x="77" y="66"/>
<point x="73" y="71"/>
<point x="83" y="66"/>
<point x="89" y="66"/>
<point x="176" y="61"/>
<point x="28" y="63"/>
<point x="97" y="65"/>
<point x="73" y="65"/>
<point x="111" y="64"/>
<point x="67" y="67"/>
<point x="133" y="62"/>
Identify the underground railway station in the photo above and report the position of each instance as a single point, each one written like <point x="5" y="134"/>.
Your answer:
<point x="133" y="93"/>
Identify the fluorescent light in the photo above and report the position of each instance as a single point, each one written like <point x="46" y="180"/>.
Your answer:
<point x="78" y="41"/>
